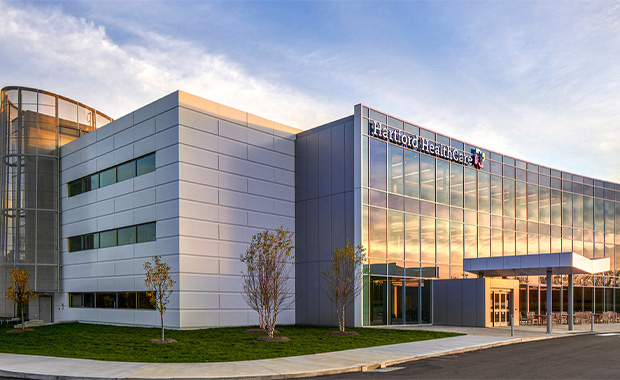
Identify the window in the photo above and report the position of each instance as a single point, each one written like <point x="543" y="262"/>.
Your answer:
<point x="120" y="300"/>
<point x="121" y="236"/>
<point x="126" y="170"/>
<point x="127" y="235"/>
<point x="107" y="177"/>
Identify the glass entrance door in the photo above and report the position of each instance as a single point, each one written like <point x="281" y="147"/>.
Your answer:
<point x="500" y="309"/>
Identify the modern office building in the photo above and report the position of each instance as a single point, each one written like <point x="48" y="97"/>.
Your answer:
<point x="455" y="233"/>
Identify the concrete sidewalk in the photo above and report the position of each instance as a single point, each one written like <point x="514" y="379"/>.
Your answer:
<point x="42" y="367"/>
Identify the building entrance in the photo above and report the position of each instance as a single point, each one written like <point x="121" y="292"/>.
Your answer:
<point x="500" y="311"/>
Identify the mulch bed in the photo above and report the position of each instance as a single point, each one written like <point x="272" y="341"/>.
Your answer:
<point x="159" y="341"/>
<point x="343" y="333"/>
<point x="274" y="339"/>
<point x="259" y="331"/>
<point x="19" y="330"/>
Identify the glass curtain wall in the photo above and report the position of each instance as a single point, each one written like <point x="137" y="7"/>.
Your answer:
<point x="424" y="214"/>
<point x="34" y="124"/>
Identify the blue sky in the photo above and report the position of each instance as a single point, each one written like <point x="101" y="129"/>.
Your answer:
<point x="535" y="80"/>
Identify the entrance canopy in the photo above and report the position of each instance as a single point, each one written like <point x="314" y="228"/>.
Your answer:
<point x="536" y="265"/>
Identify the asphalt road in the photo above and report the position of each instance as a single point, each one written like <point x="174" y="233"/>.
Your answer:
<point x="595" y="356"/>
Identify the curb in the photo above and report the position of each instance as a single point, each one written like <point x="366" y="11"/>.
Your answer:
<point x="334" y="371"/>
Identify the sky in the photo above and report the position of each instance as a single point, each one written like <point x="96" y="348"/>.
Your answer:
<point x="539" y="81"/>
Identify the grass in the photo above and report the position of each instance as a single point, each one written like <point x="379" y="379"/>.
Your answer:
<point x="103" y="342"/>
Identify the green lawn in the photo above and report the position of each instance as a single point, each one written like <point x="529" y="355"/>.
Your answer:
<point x="101" y="342"/>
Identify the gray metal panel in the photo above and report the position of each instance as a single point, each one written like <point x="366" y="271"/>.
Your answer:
<point x="454" y="303"/>
<point x="469" y="305"/>
<point x="349" y="159"/>
<point x="312" y="167"/>
<point x="325" y="163"/>
<point x="301" y="294"/>
<point x="338" y="223"/>
<point x="480" y="302"/>
<point x="312" y="292"/>
<point x="312" y="228"/>
<point x="300" y="169"/>
<point x="350" y="220"/>
<point x="439" y="302"/>
<point x="338" y="160"/>
<point x="325" y="228"/>
<point x="301" y="251"/>
<point x="327" y="311"/>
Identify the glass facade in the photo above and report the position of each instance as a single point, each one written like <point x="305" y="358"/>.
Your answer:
<point x="424" y="213"/>
<point x="34" y="125"/>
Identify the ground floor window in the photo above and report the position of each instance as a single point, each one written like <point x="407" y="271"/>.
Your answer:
<point x="397" y="300"/>
<point x="107" y="300"/>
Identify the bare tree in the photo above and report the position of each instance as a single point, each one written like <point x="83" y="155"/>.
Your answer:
<point x="159" y="286"/>
<point x="344" y="278"/>
<point x="266" y="281"/>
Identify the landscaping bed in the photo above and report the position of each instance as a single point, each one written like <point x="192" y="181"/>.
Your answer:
<point x="131" y="344"/>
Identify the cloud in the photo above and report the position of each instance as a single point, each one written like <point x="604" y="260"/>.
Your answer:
<point x="75" y="57"/>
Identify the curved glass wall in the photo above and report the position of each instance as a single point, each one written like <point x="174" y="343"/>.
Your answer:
<point x="34" y="125"/>
<point x="445" y="211"/>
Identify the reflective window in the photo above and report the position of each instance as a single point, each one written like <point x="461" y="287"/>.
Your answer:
<point x="497" y="242"/>
<point x="532" y="203"/>
<point x="484" y="192"/>
<point x="443" y="241"/>
<point x="609" y="216"/>
<point x="556" y="207"/>
<point x="427" y="239"/>
<point x="395" y="169"/>
<point x="427" y="177"/>
<point x="471" y="240"/>
<point x="107" y="239"/>
<point x="443" y="187"/>
<point x="471" y="189"/>
<point x="544" y="204"/>
<point x="378" y="237"/>
<point x="577" y="211"/>
<point x="496" y="195"/>
<point x="412" y="238"/>
<point x="509" y="243"/>
<point x="378" y="165"/>
<point x="456" y="185"/>
<point x="598" y="214"/>
<point x="484" y="242"/>
<point x="509" y="198"/>
<point x="126" y="171"/>
<point x="364" y="160"/>
<point x="412" y="173"/>
<point x="127" y="235"/>
<point x="456" y="243"/>
<point x="396" y="236"/>
<point x="588" y="213"/>
<point x="521" y="200"/>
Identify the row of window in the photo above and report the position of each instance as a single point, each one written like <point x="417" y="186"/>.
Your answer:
<point x="120" y="300"/>
<point x="121" y="236"/>
<point x="511" y="166"/>
<point x="118" y="173"/>
<point x="409" y="173"/>
<point x="406" y="240"/>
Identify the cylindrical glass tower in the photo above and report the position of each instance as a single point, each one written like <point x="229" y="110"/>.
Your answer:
<point x="34" y="125"/>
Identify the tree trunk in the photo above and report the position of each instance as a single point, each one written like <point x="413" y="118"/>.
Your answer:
<point x="341" y="321"/>
<point x="23" y="322"/>
<point x="162" y="326"/>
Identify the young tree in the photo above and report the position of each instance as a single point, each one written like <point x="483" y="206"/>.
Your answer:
<point x="19" y="291"/>
<point x="159" y="286"/>
<point x="344" y="278"/>
<point x="266" y="282"/>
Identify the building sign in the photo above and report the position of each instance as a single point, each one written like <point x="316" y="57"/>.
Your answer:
<point x="475" y="158"/>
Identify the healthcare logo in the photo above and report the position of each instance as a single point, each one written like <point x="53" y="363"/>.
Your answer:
<point x="478" y="158"/>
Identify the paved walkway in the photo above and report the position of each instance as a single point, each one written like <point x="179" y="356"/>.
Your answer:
<point x="42" y="367"/>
